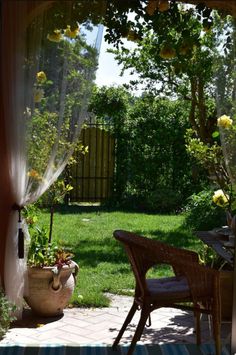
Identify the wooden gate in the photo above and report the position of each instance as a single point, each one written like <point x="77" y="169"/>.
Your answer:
<point x="93" y="175"/>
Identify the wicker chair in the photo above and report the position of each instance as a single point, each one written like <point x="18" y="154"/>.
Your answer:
<point x="194" y="286"/>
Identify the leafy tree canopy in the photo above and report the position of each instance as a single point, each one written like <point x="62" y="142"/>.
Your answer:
<point x="185" y="60"/>
<point x="116" y="16"/>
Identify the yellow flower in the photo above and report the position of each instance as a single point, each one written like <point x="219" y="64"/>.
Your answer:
<point x="34" y="174"/>
<point x="71" y="33"/>
<point x="56" y="36"/>
<point x="41" y="76"/>
<point x="38" y="95"/>
<point x="220" y="198"/>
<point x="224" y="121"/>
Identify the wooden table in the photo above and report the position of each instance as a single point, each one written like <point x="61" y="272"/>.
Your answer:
<point x="218" y="242"/>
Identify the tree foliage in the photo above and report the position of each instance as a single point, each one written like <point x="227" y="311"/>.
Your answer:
<point x="179" y="54"/>
<point x="189" y="53"/>
<point x="178" y="60"/>
<point x="150" y="148"/>
<point x="156" y="151"/>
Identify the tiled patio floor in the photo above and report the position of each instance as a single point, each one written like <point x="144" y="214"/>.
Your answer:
<point x="80" y="326"/>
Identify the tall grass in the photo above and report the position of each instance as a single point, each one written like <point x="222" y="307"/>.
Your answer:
<point x="102" y="261"/>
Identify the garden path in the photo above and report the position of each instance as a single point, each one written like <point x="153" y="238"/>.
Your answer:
<point x="80" y="326"/>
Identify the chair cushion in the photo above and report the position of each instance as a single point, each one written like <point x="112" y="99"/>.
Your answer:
<point x="169" y="289"/>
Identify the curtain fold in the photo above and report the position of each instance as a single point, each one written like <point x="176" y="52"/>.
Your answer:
<point x="48" y="69"/>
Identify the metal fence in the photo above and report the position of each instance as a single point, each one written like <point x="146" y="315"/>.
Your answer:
<point x="93" y="175"/>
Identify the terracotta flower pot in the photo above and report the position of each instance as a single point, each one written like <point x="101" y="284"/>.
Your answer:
<point x="50" y="289"/>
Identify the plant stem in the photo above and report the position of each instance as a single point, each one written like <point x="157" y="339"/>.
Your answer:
<point x="51" y="223"/>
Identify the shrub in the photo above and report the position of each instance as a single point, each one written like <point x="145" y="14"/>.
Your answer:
<point x="202" y="213"/>
<point x="156" y="152"/>
<point x="6" y="309"/>
<point x="164" y="200"/>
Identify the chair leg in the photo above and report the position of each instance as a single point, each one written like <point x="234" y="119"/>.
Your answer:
<point x="198" y="327"/>
<point x="124" y="326"/>
<point x="197" y="317"/>
<point x="139" y="330"/>
<point x="217" y="333"/>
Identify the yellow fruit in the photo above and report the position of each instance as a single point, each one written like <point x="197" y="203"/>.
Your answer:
<point x="167" y="52"/>
<point x="151" y="7"/>
<point x="163" y="5"/>
<point x="132" y="36"/>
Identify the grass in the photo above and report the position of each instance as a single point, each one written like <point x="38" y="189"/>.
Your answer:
<point x="102" y="261"/>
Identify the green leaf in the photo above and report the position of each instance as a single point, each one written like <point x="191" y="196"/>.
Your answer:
<point x="40" y="257"/>
<point x="215" y="134"/>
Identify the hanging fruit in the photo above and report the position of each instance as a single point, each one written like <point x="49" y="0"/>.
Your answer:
<point x="167" y="52"/>
<point x="163" y="5"/>
<point x="151" y="7"/>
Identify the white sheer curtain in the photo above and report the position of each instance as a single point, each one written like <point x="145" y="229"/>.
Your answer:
<point x="48" y="68"/>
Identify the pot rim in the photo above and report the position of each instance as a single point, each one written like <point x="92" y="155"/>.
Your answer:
<point x="71" y="264"/>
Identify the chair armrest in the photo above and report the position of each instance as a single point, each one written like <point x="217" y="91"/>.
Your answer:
<point x="182" y="255"/>
<point x="203" y="281"/>
<point x="162" y="253"/>
<point x="149" y="252"/>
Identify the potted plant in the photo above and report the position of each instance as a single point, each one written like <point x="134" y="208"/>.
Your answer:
<point x="51" y="271"/>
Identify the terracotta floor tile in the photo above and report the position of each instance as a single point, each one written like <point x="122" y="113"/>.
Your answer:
<point x="92" y="326"/>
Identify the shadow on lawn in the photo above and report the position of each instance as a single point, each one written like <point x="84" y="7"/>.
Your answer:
<point x="181" y="237"/>
<point x="93" y="252"/>
<point x="75" y="209"/>
<point x="109" y="250"/>
<point x="92" y="255"/>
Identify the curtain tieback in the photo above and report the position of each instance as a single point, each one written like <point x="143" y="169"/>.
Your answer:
<point x="20" y="232"/>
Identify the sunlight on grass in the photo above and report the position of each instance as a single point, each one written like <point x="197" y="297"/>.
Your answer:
<point x="103" y="263"/>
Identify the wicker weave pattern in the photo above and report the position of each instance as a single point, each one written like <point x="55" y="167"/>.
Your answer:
<point x="192" y="283"/>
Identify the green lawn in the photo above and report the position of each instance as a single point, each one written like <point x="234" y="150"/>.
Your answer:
<point x="103" y="263"/>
